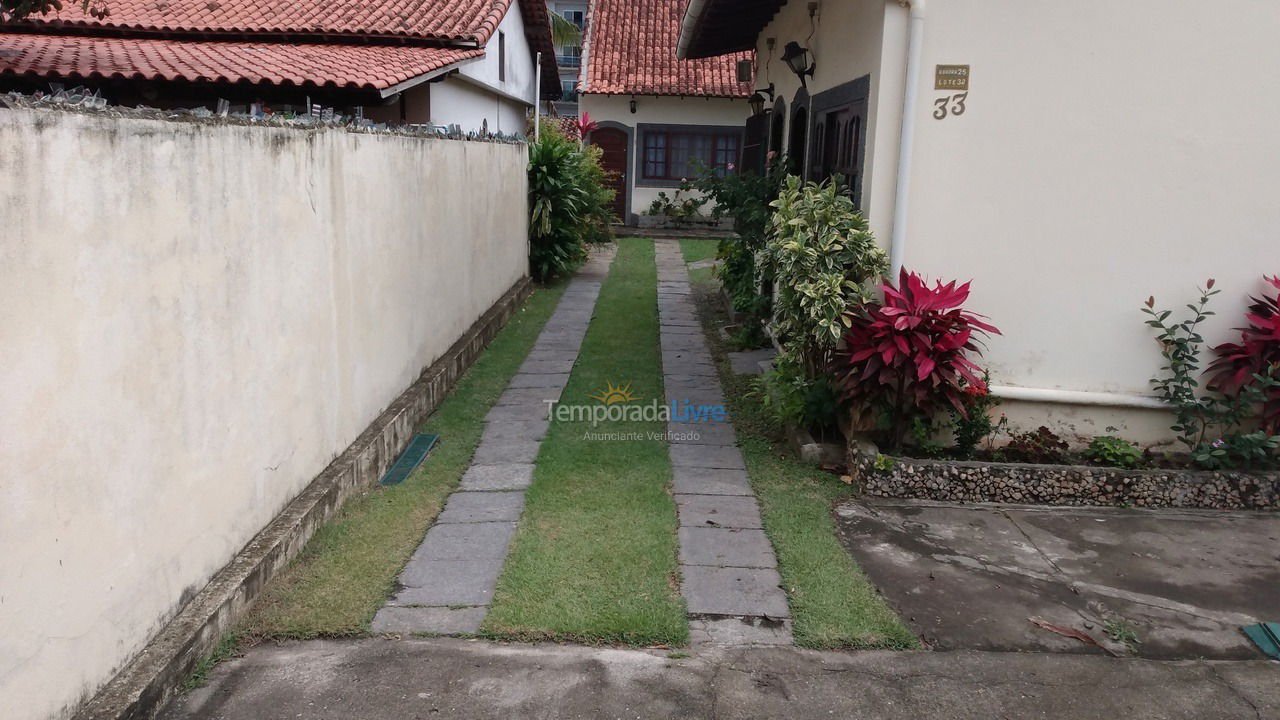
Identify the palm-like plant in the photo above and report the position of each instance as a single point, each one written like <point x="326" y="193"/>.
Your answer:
<point x="564" y="32"/>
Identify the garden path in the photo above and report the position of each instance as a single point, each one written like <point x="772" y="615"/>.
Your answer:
<point x="729" y="573"/>
<point x="448" y="583"/>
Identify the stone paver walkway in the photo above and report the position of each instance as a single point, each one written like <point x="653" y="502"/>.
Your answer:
<point x="731" y="582"/>
<point x="448" y="583"/>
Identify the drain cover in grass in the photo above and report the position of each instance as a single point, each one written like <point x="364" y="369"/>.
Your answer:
<point x="412" y="458"/>
<point x="1266" y="636"/>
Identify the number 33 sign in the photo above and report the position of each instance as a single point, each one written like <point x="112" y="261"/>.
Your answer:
<point x="952" y="105"/>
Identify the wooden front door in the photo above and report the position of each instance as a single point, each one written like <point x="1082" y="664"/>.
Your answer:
<point x="613" y="146"/>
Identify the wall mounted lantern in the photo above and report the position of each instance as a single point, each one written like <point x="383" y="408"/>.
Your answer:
<point x="633" y="105"/>
<point x="758" y="99"/>
<point x="800" y="60"/>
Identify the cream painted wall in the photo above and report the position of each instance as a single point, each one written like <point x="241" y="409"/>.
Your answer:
<point x="195" y="319"/>
<point x="457" y="101"/>
<point x="1109" y="151"/>
<point x="475" y="94"/>
<point x="846" y="45"/>
<point x="664" y="111"/>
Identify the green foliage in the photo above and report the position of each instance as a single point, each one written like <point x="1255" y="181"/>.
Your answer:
<point x="746" y="197"/>
<point x="975" y="424"/>
<point x="1200" y="414"/>
<point x="924" y="435"/>
<point x="1113" y="452"/>
<point x="822" y="254"/>
<point x="679" y="207"/>
<point x="885" y="463"/>
<point x="796" y="400"/>
<point x="1120" y="631"/>
<point x="568" y="201"/>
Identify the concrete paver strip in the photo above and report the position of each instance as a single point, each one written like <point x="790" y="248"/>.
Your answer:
<point x="730" y="582"/>
<point x="449" y="581"/>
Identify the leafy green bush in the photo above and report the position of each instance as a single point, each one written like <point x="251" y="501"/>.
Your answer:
<point x="1113" y="452"/>
<point x="822" y="254"/>
<point x="746" y="197"/>
<point x="798" y="401"/>
<point x="1199" y="415"/>
<point x="568" y="203"/>
<point x="974" y="424"/>
<point x="679" y="207"/>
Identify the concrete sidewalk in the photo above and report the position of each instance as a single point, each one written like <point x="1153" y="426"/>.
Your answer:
<point x="451" y="678"/>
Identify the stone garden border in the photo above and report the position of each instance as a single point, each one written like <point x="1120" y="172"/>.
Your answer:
<point x="971" y="482"/>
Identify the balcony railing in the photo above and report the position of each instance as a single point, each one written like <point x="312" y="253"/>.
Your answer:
<point x="569" y="61"/>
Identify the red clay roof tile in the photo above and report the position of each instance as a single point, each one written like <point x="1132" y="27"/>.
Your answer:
<point x="375" y="67"/>
<point x="632" y="51"/>
<point x="449" y="20"/>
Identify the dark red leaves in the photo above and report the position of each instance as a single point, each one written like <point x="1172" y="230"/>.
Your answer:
<point x="913" y="348"/>
<point x="1257" y="353"/>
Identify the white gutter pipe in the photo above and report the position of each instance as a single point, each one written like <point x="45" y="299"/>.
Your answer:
<point x="1077" y="397"/>
<point x="537" y="100"/>
<point x="691" y="15"/>
<point x="910" y="100"/>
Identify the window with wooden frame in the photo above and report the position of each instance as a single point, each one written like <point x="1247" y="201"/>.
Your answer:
<point x="675" y="155"/>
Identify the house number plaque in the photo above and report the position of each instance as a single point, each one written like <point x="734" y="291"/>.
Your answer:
<point x="954" y="78"/>
<point x="951" y="77"/>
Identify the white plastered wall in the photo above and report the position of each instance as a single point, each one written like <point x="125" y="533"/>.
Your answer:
<point x="195" y="319"/>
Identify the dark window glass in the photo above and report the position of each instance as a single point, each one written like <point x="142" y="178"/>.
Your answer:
<point x="679" y="155"/>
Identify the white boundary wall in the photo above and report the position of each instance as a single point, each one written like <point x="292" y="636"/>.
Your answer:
<point x="195" y="319"/>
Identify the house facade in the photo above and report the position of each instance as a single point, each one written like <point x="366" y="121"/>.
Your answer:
<point x="659" y="119"/>
<point x="1071" y="159"/>
<point x="463" y="63"/>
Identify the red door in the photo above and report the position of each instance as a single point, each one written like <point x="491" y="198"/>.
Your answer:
<point x="613" y="146"/>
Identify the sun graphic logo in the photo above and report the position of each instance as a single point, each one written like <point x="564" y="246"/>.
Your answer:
<point x="612" y="395"/>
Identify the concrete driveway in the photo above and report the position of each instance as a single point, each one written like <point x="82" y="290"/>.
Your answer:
<point x="970" y="576"/>
<point x="416" y="679"/>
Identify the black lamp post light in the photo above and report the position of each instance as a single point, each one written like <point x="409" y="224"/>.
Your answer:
<point x="800" y="60"/>
<point x="758" y="99"/>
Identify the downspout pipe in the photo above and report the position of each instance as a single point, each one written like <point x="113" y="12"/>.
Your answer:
<point x="910" y="101"/>
<point x="537" y="99"/>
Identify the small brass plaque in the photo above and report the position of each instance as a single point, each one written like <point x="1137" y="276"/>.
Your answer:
<point x="951" y="77"/>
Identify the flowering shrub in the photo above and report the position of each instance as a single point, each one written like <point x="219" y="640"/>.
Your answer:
<point x="1255" y="359"/>
<point x="910" y="357"/>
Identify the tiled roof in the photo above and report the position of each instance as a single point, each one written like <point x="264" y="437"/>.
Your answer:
<point x="442" y="20"/>
<point x="375" y="67"/>
<point x="631" y="47"/>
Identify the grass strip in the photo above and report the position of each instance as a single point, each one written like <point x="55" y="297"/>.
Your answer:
<point x="696" y="249"/>
<point x="348" y="569"/>
<point x="833" y="603"/>
<point x="594" y="558"/>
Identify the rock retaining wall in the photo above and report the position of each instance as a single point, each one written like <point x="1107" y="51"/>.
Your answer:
<point x="955" y="481"/>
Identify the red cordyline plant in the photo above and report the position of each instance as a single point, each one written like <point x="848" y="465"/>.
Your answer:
<point x="1257" y="353"/>
<point x="910" y="356"/>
